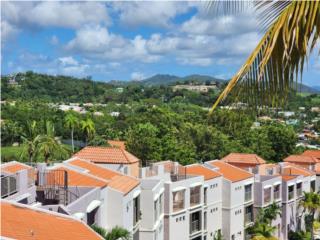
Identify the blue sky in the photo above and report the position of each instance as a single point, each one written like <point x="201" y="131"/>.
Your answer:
<point x="128" y="40"/>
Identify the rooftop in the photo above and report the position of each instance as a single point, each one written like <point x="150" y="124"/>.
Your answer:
<point x="111" y="155"/>
<point x="291" y="169"/>
<point x="20" y="221"/>
<point x="197" y="169"/>
<point x="76" y="178"/>
<point x="244" y="158"/>
<point x="234" y="174"/>
<point x="301" y="159"/>
<point x="124" y="184"/>
<point x="312" y="153"/>
<point x="13" y="167"/>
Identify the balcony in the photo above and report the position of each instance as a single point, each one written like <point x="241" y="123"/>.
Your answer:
<point x="178" y="205"/>
<point x="276" y="192"/>
<point x="248" y="216"/>
<point x="248" y="196"/>
<point x="195" y="199"/>
<point x="290" y="195"/>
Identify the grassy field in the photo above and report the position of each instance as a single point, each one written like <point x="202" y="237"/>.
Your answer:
<point x="10" y="153"/>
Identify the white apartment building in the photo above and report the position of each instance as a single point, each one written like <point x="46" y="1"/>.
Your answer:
<point x="237" y="199"/>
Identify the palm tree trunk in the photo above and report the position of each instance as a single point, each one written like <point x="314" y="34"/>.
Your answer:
<point x="311" y="227"/>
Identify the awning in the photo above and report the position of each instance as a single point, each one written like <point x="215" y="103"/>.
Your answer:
<point x="93" y="205"/>
<point x="195" y="184"/>
<point x="178" y="189"/>
<point x="78" y="215"/>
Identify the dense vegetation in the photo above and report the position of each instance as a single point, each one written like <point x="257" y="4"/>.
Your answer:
<point x="156" y="122"/>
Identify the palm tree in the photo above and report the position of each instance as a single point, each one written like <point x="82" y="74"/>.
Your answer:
<point x="263" y="231"/>
<point x="116" y="233"/>
<point x="272" y="212"/>
<point x="71" y="122"/>
<point x="272" y="69"/>
<point x="311" y="204"/>
<point x="88" y="128"/>
<point x="30" y="141"/>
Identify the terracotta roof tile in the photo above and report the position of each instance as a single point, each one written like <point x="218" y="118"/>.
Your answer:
<point x="94" y="169"/>
<point x="109" y="155"/>
<point x="245" y="158"/>
<point x="76" y="178"/>
<point x="295" y="170"/>
<point x="14" y="167"/>
<point x="116" y="180"/>
<point x="230" y="172"/>
<point x="312" y="153"/>
<point x="287" y="177"/>
<point x="301" y="159"/>
<point x="123" y="183"/>
<point x="317" y="168"/>
<point x="118" y="144"/>
<point x="197" y="169"/>
<point x="25" y="223"/>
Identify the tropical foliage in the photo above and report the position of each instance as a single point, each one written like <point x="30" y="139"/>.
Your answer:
<point x="116" y="233"/>
<point x="272" y="69"/>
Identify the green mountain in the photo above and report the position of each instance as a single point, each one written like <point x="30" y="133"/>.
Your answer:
<point x="166" y="79"/>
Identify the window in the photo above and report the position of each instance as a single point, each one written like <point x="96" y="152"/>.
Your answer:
<point x="136" y="210"/>
<point x="248" y="193"/>
<point x="267" y="195"/>
<point x="205" y="195"/>
<point x="299" y="189"/>
<point x="195" y="195"/>
<point x="205" y="220"/>
<point x="290" y="192"/>
<point x="313" y="185"/>
<point x="161" y="204"/>
<point x="276" y="192"/>
<point x="156" y="210"/>
<point x="248" y="217"/>
<point x="178" y="200"/>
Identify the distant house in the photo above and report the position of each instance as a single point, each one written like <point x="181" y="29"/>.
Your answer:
<point x="195" y="88"/>
<point x="286" y="114"/>
<point x="315" y="109"/>
<point x="119" y="90"/>
<point x="111" y="157"/>
<point x="114" y="114"/>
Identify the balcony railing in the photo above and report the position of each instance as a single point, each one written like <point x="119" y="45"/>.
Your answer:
<point x="195" y="199"/>
<point x="178" y="205"/>
<point x="276" y="195"/>
<point x="248" y="218"/>
<point x="299" y="192"/>
<point x="9" y="185"/>
<point x="248" y="196"/>
<point x="290" y="195"/>
<point x="195" y="226"/>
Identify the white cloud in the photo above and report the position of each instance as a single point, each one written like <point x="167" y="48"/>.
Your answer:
<point x="137" y="76"/>
<point x="57" y="14"/>
<point x="156" y="13"/>
<point x="8" y="31"/>
<point x="68" y="61"/>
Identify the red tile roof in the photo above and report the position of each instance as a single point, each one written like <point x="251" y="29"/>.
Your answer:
<point x="291" y="169"/>
<point x="245" y="158"/>
<point x="115" y="179"/>
<point x="76" y="178"/>
<point x="287" y="177"/>
<point x="317" y="168"/>
<point x="312" y="153"/>
<point x="197" y="169"/>
<point x="14" y="167"/>
<point x="301" y="159"/>
<point x="118" y="144"/>
<point x="21" y="222"/>
<point x="109" y="155"/>
<point x="234" y="174"/>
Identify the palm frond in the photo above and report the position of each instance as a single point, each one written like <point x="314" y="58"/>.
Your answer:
<point x="273" y="68"/>
<point x="228" y="7"/>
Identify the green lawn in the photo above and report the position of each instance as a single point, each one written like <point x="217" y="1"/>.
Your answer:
<point x="10" y="153"/>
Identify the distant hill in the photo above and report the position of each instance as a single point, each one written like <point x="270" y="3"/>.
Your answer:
<point x="166" y="79"/>
<point x="306" y="89"/>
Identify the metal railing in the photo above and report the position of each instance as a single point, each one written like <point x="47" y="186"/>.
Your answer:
<point x="248" y="218"/>
<point x="248" y="196"/>
<point x="195" y="226"/>
<point x="195" y="199"/>
<point x="290" y="195"/>
<point x="9" y="185"/>
<point x="178" y="205"/>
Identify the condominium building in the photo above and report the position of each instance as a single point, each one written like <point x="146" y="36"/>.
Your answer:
<point x="237" y="199"/>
